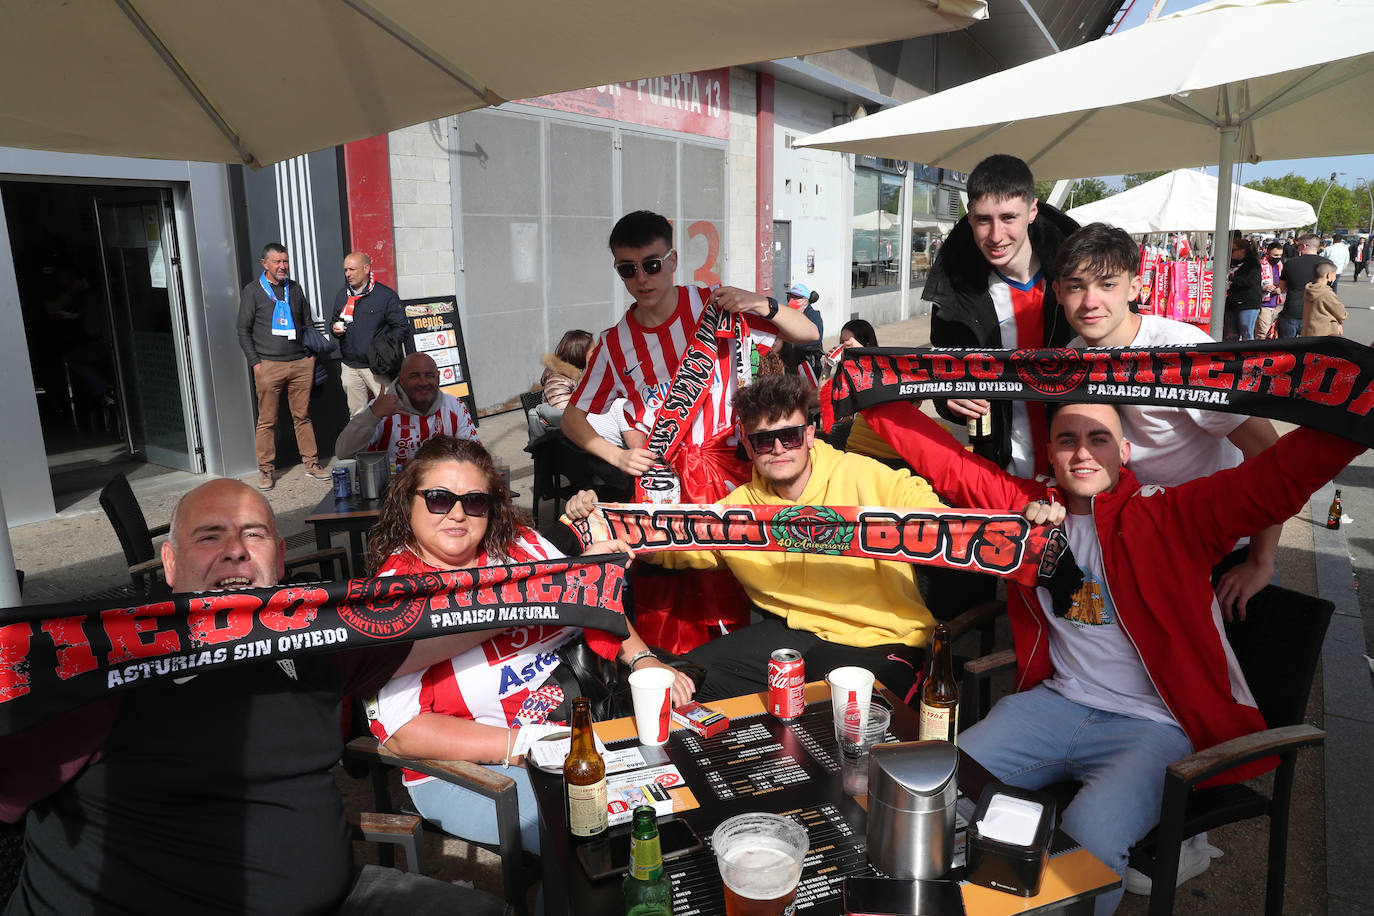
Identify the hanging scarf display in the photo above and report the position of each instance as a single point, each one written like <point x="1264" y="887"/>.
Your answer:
<point x="283" y="322"/>
<point x="976" y="541"/>
<point x="346" y="316"/>
<point x="55" y="657"/>
<point x="686" y="394"/>
<point x="1326" y="383"/>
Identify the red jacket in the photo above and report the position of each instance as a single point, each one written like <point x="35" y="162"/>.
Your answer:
<point x="1158" y="549"/>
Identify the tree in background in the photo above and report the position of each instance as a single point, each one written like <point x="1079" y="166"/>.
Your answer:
<point x="1083" y="191"/>
<point x="1343" y="209"/>
<point x="1131" y="179"/>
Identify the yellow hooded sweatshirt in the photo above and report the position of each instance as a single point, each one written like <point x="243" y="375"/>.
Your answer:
<point x="846" y="600"/>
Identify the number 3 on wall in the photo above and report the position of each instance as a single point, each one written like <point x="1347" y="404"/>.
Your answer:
<point x="706" y="273"/>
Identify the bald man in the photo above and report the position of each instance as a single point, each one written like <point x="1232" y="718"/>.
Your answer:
<point x="406" y="415"/>
<point x="211" y="793"/>
<point x="363" y="310"/>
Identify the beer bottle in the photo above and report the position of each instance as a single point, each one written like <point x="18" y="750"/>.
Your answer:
<point x="584" y="776"/>
<point x="940" y="693"/>
<point x="980" y="428"/>
<point x="1333" y="515"/>
<point x="648" y="890"/>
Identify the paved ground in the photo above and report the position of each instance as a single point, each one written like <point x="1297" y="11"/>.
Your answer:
<point x="1331" y="853"/>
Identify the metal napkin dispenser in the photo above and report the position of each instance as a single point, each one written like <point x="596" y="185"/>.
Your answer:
<point x="911" y="796"/>
<point x="373" y="474"/>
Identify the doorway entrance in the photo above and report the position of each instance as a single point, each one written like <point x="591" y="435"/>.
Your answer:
<point x="104" y="321"/>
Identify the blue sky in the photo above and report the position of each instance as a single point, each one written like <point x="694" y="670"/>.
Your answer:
<point x="1355" y="167"/>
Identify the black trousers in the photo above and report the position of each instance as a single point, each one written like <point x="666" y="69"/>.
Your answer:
<point x="738" y="663"/>
<point x="1359" y="266"/>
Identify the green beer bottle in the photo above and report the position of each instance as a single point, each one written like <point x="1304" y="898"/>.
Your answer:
<point x="648" y="890"/>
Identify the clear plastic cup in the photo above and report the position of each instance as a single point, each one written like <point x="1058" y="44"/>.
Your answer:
<point x="856" y="742"/>
<point x="760" y="858"/>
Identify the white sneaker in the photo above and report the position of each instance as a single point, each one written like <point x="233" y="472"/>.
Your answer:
<point x="1194" y="856"/>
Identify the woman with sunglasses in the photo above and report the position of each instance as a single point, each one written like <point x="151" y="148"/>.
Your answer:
<point x="450" y="509"/>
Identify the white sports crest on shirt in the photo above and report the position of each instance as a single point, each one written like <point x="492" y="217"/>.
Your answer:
<point x="1150" y="489"/>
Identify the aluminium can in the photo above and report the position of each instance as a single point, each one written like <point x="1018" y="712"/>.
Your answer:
<point x="786" y="684"/>
<point x="343" y="486"/>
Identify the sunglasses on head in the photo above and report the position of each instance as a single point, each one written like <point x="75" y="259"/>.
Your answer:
<point x="651" y="265"/>
<point x="790" y="436"/>
<point x="441" y="502"/>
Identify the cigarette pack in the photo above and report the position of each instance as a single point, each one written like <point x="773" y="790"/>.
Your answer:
<point x="701" y="719"/>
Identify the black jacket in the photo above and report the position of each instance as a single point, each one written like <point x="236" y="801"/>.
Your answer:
<point x="1243" y="289"/>
<point x="964" y="316"/>
<point x="377" y="312"/>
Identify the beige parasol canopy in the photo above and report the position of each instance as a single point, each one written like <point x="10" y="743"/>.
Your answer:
<point x="259" y="81"/>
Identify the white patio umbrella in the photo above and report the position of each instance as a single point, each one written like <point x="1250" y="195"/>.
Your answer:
<point x="1228" y="81"/>
<point x="259" y="81"/>
<point x="1186" y="201"/>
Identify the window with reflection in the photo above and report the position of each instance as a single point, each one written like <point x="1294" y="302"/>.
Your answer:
<point x="877" y="229"/>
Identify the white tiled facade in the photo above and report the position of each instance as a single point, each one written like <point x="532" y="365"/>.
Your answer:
<point x="422" y="209"/>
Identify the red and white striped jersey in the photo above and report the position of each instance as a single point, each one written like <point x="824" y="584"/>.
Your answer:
<point x="637" y="363"/>
<point x="503" y="681"/>
<point x="400" y="435"/>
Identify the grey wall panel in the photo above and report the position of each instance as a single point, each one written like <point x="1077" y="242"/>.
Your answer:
<point x="24" y="483"/>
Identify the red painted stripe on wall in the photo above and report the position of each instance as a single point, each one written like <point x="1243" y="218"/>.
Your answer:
<point x="367" y="174"/>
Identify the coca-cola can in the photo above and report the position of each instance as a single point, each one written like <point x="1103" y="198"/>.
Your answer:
<point x="786" y="684"/>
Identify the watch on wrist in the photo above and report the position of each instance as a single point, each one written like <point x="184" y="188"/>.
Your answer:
<point x="772" y="308"/>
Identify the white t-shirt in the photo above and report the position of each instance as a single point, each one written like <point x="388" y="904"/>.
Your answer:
<point x="1095" y="663"/>
<point x="1173" y="445"/>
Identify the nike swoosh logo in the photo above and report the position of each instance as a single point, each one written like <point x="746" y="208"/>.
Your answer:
<point x="629" y="370"/>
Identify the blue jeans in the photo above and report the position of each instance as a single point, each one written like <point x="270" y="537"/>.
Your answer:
<point x="464" y="813"/>
<point x="1037" y="738"/>
<point x="1240" y="323"/>
<point x="1290" y="327"/>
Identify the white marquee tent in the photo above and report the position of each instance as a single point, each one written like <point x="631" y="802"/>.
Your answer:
<point x="1186" y="201"/>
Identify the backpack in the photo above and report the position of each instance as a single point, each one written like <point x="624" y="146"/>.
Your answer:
<point x="385" y="354"/>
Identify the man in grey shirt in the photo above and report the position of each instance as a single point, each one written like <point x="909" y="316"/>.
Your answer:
<point x="273" y="316"/>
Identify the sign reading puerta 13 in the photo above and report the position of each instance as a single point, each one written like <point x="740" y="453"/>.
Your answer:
<point x="694" y="103"/>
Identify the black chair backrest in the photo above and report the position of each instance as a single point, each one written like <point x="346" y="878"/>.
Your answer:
<point x="1278" y="646"/>
<point x="121" y="506"/>
<point x="531" y="399"/>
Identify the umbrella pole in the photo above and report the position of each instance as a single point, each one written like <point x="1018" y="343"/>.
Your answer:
<point x="1221" y="239"/>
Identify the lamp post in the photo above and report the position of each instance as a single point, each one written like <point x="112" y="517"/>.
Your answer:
<point x="1370" y="192"/>
<point x="1317" y="228"/>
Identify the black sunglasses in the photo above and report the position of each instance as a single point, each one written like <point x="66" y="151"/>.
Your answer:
<point x="790" y="436"/>
<point x="651" y="265"/>
<point x="441" y="502"/>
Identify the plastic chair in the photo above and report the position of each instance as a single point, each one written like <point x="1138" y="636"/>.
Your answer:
<point x="500" y="789"/>
<point x="1277" y="646"/>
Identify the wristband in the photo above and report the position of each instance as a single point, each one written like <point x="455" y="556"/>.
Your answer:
<point x="772" y="308"/>
<point x="647" y="653"/>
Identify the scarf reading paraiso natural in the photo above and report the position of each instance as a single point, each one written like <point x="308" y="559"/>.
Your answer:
<point x="686" y="395"/>
<point x="1326" y="383"/>
<point x="55" y="657"/>
<point x="968" y="539"/>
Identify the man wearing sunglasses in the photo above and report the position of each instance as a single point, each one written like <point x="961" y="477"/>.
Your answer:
<point x="406" y="415"/>
<point x="834" y="610"/>
<point x="638" y="360"/>
<point x="212" y="792"/>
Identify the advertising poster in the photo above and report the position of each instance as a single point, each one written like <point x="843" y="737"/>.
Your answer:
<point x="436" y="331"/>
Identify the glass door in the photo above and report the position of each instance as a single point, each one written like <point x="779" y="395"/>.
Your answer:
<point x="148" y="317"/>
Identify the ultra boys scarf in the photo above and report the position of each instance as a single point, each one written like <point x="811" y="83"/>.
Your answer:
<point x="55" y="657"/>
<point x="686" y="394"/>
<point x="977" y="541"/>
<point x="1326" y="383"/>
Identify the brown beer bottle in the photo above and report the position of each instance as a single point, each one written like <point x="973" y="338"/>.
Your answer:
<point x="584" y="776"/>
<point x="1333" y="515"/>
<point x="940" y="693"/>
<point x="980" y="428"/>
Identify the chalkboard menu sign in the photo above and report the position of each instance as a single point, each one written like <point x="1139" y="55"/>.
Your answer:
<point x="436" y="331"/>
